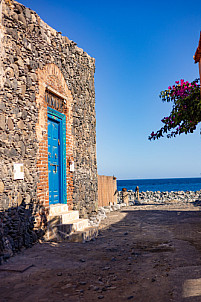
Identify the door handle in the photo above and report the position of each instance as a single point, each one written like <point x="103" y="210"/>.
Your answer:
<point x="55" y="167"/>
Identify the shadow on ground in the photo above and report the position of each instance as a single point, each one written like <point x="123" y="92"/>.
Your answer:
<point x="142" y="254"/>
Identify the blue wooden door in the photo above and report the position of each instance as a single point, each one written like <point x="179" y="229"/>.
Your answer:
<point x="54" y="160"/>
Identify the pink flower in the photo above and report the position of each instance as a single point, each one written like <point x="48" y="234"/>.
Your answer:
<point x="177" y="82"/>
<point x="169" y="87"/>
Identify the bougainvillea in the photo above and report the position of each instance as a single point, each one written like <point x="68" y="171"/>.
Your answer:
<point x="186" y="110"/>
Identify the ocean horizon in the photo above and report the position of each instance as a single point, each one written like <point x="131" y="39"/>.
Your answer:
<point x="161" y="184"/>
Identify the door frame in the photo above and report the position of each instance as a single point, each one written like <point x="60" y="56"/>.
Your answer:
<point x="61" y="118"/>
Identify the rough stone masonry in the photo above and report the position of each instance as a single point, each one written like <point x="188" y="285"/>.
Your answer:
<point x="34" y="57"/>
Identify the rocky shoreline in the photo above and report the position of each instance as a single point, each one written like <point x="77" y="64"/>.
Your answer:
<point x="160" y="197"/>
<point x="129" y="198"/>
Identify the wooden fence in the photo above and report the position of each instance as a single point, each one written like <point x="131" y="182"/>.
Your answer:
<point x="107" y="190"/>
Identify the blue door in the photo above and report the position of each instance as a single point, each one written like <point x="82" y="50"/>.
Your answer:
<point x="54" y="160"/>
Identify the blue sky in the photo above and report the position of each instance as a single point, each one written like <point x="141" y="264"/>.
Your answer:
<point x="140" y="47"/>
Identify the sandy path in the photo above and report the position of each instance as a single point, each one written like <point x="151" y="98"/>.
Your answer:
<point x="144" y="253"/>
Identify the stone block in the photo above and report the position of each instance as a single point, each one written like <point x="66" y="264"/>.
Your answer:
<point x="22" y="19"/>
<point x="10" y="124"/>
<point x="1" y="186"/>
<point x="20" y="124"/>
<point x="27" y="13"/>
<point x="2" y="106"/>
<point x="2" y="121"/>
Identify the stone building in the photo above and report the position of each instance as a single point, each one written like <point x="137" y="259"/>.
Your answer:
<point x="47" y="117"/>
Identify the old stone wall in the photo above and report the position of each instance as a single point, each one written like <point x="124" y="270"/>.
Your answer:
<point x="107" y="190"/>
<point x="28" y="46"/>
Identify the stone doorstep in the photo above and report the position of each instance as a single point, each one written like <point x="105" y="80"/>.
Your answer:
<point x="65" y="217"/>
<point x="71" y="226"/>
<point x="58" y="208"/>
<point x="84" y="236"/>
<point x="88" y="234"/>
<point x="65" y="232"/>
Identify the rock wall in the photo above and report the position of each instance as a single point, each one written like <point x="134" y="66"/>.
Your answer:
<point x="28" y="45"/>
<point x="16" y="230"/>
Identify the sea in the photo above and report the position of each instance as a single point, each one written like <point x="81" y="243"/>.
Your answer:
<point x="162" y="185"/>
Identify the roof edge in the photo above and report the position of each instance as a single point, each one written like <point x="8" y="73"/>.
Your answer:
<point x="197" y="55"/>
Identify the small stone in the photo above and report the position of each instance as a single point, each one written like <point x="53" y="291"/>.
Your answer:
<point x="83" y="283"/>
<point x="130" y="297"/>
<point x="19" y="198"/>
<point x="10" y="124"/>
<point x="22" y="19"/>
<point x="33" y="18"/>
<point x="22" y="147"/>
<point x="82" y="260"/>
<point x="20" y="124"/>
<point x="18" y="8"/>
<point x="27" y="13"/>
<point x="12" y="152"/>
<point x="106" y="268"/>
<point x="10" y="72"/>
<point x="59" y="274"/>
<point x="2" y="122"/>
<point x="1" y="186"/>
<point x="23" y="89"/>
<point x="101" y="297"/>
<point x="2" y="106"/>
<point x="29" y="82"/>
<point x="8" y="83"/>
<point x="96" y="288"/>
<point x="20" y="62"/>
<point x="14" y="84"/>
<point x="13" y="33"/>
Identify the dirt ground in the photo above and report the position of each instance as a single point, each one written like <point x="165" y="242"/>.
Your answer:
<point x="143" y="253"/>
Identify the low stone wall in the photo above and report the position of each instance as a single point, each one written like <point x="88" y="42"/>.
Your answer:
<point x="107" y="190"/>
<point x="17" y="230"/>
<point x="158" y="196"/>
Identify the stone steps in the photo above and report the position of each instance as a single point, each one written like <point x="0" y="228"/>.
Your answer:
<point x="64" y="225"/>
<point x="55" y="234"/>
<point x="58" y="209"/>
<point x="65" y="217"/>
